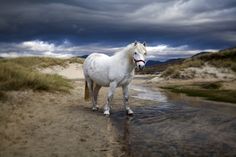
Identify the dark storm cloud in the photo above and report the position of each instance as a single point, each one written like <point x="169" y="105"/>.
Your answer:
<point x="196" y="23"/>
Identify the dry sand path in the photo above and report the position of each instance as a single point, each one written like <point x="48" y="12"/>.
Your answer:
<point x="56" y="124"/>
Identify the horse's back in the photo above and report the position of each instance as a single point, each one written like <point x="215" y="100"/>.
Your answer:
<point x="96" y="67"/>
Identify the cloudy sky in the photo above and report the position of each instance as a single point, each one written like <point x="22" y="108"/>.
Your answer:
<point x="62" y="28"/>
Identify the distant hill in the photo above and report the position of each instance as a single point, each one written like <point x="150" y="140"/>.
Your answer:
<point x="155" y="67"/>
<point x="228" y="49"/>
<point x="152" y="63"/>
<point x="225" y="55"/>
<point x="84" y="56"/>
<point x="156" y="62"/>
<point x="200" y="54"/>
<point x="205" y="65"/>
<point x="174" y="61"/>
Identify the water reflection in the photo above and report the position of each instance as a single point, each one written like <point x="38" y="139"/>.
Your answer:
<point x="126" y="137"/>
<point x="148" y="94"/>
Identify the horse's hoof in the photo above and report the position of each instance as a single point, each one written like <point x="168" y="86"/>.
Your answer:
<point x="95" y="108"/>
<point x="130" y="112"/>
<point x="106" y="113"/>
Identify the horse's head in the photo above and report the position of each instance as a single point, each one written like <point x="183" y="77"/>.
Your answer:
<point x="139" y="54"/>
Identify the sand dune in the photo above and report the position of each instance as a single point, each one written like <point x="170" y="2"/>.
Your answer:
<point x="71" y="71"/>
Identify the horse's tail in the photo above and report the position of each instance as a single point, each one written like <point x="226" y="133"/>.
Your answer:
<point x="86" y="91"/>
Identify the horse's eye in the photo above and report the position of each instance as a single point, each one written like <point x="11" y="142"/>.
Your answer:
<point x="135" y="53"/>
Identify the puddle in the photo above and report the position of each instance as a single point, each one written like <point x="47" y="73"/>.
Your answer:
<point x="177" y="128"/>
<point x="148" y="94"/>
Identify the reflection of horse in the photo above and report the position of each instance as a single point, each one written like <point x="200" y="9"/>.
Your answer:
<point x="114" y="71"/>
<point x="127" y="138"/>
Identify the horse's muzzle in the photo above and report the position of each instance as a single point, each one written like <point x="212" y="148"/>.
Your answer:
<point x="141" y="67"/>
<point x="140" y="64"/>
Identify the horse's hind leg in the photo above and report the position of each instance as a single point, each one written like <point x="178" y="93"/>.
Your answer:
<point x="95" y="91"/>
<point x="91" y="93"/>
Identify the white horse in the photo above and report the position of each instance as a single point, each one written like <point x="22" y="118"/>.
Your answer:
<point x="113" y="71"/>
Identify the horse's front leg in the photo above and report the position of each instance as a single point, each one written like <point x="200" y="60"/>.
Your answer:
<point x="126" y="99"/>
<point x="111" y="92"/>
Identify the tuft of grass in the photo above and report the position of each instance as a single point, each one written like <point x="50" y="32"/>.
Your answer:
<point x="192" y="63"/>
<point x="3" y="96"/>
<point x="210" y="91"/>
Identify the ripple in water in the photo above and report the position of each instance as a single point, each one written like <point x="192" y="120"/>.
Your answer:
<point x="148" y="94"/>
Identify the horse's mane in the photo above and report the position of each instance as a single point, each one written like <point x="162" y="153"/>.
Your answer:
<point x="125" y="50"/>
<point x="129" y="49"/>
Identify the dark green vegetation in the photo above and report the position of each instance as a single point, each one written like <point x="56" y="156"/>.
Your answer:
<point x="20" y="74"/>
<point x="222" y="59"/>
<point x="3" y="96"/>
<point x="208" y="90"/>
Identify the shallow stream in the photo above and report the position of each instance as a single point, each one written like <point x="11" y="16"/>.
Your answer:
<point x="177" y="125"/>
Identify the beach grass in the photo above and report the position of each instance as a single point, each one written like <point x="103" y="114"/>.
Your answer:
<point x="22" y="74"/>
<point x="17" y="77"/>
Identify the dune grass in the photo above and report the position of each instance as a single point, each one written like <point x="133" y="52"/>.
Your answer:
<point x="15" y="77"/>
<point x="208" y="90"/>
<point x="21" y="74"/>
<point x="42" y="62"/>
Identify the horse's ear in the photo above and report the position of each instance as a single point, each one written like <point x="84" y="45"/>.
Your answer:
<point x="135" y="43"/>
<point x="144" y="44"/>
